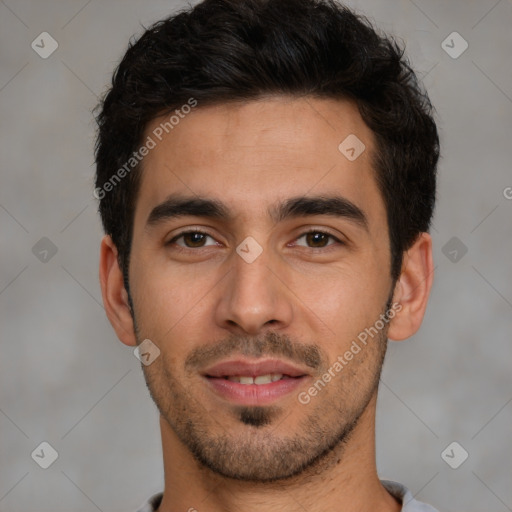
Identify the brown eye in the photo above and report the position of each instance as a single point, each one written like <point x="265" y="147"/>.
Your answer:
<point x="317" y="239"/>
<point x="194" y="239"/>
<point x="191" y="240"/>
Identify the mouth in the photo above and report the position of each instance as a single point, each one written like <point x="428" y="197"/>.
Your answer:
<point x="258" y="379"/>
<point x="254" y="383"/>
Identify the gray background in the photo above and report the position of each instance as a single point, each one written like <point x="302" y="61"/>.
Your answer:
<point x="67" y="380"/>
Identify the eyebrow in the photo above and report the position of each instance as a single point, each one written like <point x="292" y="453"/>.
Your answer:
<point x="177" y="205"/>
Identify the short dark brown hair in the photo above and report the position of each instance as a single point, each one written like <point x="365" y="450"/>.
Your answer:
<point x="225" y="50"/>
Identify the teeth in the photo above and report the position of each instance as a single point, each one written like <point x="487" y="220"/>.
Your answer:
<point x="263" y="379"/>
<point x="260" y="379"/>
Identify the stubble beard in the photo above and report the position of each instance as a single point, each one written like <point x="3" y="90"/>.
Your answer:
<point x="258" y="447"/>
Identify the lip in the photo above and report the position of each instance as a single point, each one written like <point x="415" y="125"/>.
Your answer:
<point x="253" y="369"/>
<point x="253" y="394"/>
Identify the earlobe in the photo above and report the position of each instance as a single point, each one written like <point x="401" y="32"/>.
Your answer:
<point x="115" y="296"/>
<point x="412" y="289"/>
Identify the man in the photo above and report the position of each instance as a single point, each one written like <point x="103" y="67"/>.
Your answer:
<point x="266" y="176"/>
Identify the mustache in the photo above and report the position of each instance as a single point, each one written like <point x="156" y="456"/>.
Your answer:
<point x="268" y="344"/>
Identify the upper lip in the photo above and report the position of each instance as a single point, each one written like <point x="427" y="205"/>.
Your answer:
<point x="253" y="369"/>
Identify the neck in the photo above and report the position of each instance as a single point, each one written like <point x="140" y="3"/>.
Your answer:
<point x="344" y="480"/>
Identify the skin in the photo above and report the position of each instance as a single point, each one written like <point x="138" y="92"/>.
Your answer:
<point x="301" y="296"/>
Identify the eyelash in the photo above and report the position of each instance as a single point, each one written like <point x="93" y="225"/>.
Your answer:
<point x="192" y="231"/>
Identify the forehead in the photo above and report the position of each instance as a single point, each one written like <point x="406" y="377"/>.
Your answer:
<point x="253" y="154"/>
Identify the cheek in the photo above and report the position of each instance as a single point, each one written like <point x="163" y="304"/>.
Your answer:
<point x="344" y="302"/>
<point x="172" y="304"/>
<point x="159" y="297"/>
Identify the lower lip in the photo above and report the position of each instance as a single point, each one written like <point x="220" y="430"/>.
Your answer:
<point x="254" y="394"/>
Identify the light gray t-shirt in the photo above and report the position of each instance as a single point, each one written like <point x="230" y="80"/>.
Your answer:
<point x="409" y="504"/>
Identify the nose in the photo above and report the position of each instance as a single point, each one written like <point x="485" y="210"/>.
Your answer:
<point x="253" y="298"/>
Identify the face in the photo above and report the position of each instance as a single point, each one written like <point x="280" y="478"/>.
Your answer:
<point x="260" y="251"/>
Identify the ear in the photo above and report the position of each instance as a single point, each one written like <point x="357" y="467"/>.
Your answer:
<point x="413" y="289"/>
<point x="115" y="296"/>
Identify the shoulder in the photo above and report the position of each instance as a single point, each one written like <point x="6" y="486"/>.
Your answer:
<point x="409" y="504"/>
<point x="152" y="503"/>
